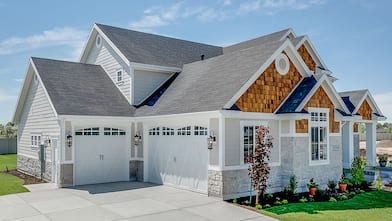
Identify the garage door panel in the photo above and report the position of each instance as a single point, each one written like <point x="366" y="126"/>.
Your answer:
<point x="179" y="160"/>
<point x="101" y="158"/>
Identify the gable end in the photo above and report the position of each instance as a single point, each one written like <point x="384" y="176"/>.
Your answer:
<point x="365" y="111"/>
<point x="267" y="93"/>
<point x="307" y="58"/>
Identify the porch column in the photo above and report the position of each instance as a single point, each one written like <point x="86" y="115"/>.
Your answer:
<point x="348" y="144"/>
<point x="371" y="143"/>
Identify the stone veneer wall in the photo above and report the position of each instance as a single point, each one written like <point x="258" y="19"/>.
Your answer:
<point x="136" y="170"/>
<point x="215" y="183"/>
<point x="66" y="175"/>
<point x="294" y="161"/>
<point x="32" y="167"/>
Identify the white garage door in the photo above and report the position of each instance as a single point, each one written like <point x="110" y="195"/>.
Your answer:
<point x="100" y="155"/>
<point x="178" y="157"/>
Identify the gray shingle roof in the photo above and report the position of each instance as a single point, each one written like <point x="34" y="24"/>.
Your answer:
<point x="296" y="40"/>
<point x="157" y="50"/>
<point x="81" y="89"/>
<point x="354" y="96"/>
<point x="276" y="36"/>
<point x="208" y="85"/>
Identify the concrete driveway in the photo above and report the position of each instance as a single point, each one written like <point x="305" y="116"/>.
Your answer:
<point x="118" y="201"/>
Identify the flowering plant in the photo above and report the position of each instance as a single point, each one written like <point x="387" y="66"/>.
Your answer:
<point x="312" y="184"/>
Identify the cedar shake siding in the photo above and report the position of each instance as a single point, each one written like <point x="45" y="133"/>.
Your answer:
<point x="319" y="99"/>
<point x="307" y="58"/>
<point x="269" y="90"/>
<point x="365" y="111"/>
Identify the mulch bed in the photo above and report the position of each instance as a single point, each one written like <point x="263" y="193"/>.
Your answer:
<point x="26" y="178"/>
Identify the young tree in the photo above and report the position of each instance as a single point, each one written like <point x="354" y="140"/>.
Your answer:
<point x="7" y="130"/>
<point x="259" y="168"/>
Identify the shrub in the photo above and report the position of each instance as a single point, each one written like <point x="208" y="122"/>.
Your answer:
<point x="378" y="183"/>
<point x="332" y="199"/>
<point x="303" y="200"/>
<point x="267" y="206"/>
<point x="259" y="207"/>
<point x="362" y="191"/>
<point x="344" y="197"/>
<point x="331" y="185"/>
<point x="357" y="167"/>
<point x="235" y="200"/>
<point x="284" y="202"/>
<point x="352" y="193"/>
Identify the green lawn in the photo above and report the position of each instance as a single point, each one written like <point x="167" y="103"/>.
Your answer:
<point x="11" y="184"/>
<point x="376" y="205"/>
<point x="8" y="183"/>
<point x="8" y="160"/>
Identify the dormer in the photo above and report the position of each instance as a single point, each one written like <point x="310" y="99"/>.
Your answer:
<point x="139" y="63"/>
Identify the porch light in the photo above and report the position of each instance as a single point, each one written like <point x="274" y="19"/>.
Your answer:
<point x="69" y="140"/>
<point x="211" y="140"/>
<point x="47" y="141"/>
<point x="138" y="138"/>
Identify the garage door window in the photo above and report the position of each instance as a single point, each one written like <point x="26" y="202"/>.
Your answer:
<point x="166" y="131"/>
<point x="185" y="131"/>
<point x="200" y="131"/>
<point x="154" y="131"/>
<point x="94" y="131"/>
<point x="113" y="132"/>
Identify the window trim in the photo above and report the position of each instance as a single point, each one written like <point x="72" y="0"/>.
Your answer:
<point x="319" y="124"/>
<point x="34" y="145"/>
<point x="88" y="131"/>
<point x="248" y="124"/>
<point x="121" y="78"/>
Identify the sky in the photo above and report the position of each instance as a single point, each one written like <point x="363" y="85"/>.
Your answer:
<point x="351" y="36"/>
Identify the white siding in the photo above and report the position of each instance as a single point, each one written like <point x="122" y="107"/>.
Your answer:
<point x="37" y="117"/>
<point x="111" y="63"/>
<point x="146" y="82"/>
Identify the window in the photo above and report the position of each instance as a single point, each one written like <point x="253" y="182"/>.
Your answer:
<point x="35" y="141"/>
<point x="119" y="76"/>
<point x="249" y="141"/>
<point x="200" y="131"/>
<point x="167" y="131"/>
<point x="154" y="131"/>
<point x="319" y="135"/>
<point x="107" y="131"/>
<point x="98" y="41"/>
<point x="184" y="131"/>
<point x="94" y="131"/>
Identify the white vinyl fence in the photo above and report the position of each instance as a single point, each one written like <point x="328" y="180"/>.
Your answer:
<point x="8" y="145"/>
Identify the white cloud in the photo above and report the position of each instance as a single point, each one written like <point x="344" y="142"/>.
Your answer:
<point x="65" y="36"/>
<point x="272" y="5"/>
<point x="157" y="16"/>
<point x="384" y="102"/>
<point x="226" y="2"/>
<point x="18" y="79"/>
<point x="4" y="96"/>
<point x="249" y="6"/>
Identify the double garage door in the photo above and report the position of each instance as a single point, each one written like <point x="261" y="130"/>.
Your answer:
<point x="179" y="159"/>
<point x="101" y="155"/>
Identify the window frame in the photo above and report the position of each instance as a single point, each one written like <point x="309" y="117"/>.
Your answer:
<point x="120" y="78"/>
<point x="35" y="140"/>
<point x="200" y="130"/>
<point x="323" y="124"/>
<point x="253" y="124"/>
<point x="88" y="131"/>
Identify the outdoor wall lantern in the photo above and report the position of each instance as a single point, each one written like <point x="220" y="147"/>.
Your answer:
<point x="47" y="141"/>
<point x="211" y="140"/>
<point x="69" y="140"/>
<point x="138" y="138"/>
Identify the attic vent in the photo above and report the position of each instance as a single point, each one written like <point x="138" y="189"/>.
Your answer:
<point x="202" y="57"/>
<point x="98" y="41"/>
<point x="282" y="64"/>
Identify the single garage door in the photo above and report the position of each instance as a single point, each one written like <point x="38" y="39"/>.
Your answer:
<point x="100" y="155"/>
<point x="179" y="157"/>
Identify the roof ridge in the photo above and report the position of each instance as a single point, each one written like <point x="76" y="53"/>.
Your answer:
<point x="58" y="60"/>
<point x="158" y="35"/>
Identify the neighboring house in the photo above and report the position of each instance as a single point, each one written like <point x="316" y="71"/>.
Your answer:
<point x="146" y="107"/>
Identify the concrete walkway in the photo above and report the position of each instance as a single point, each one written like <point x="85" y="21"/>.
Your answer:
<point x="118" y="201"/>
